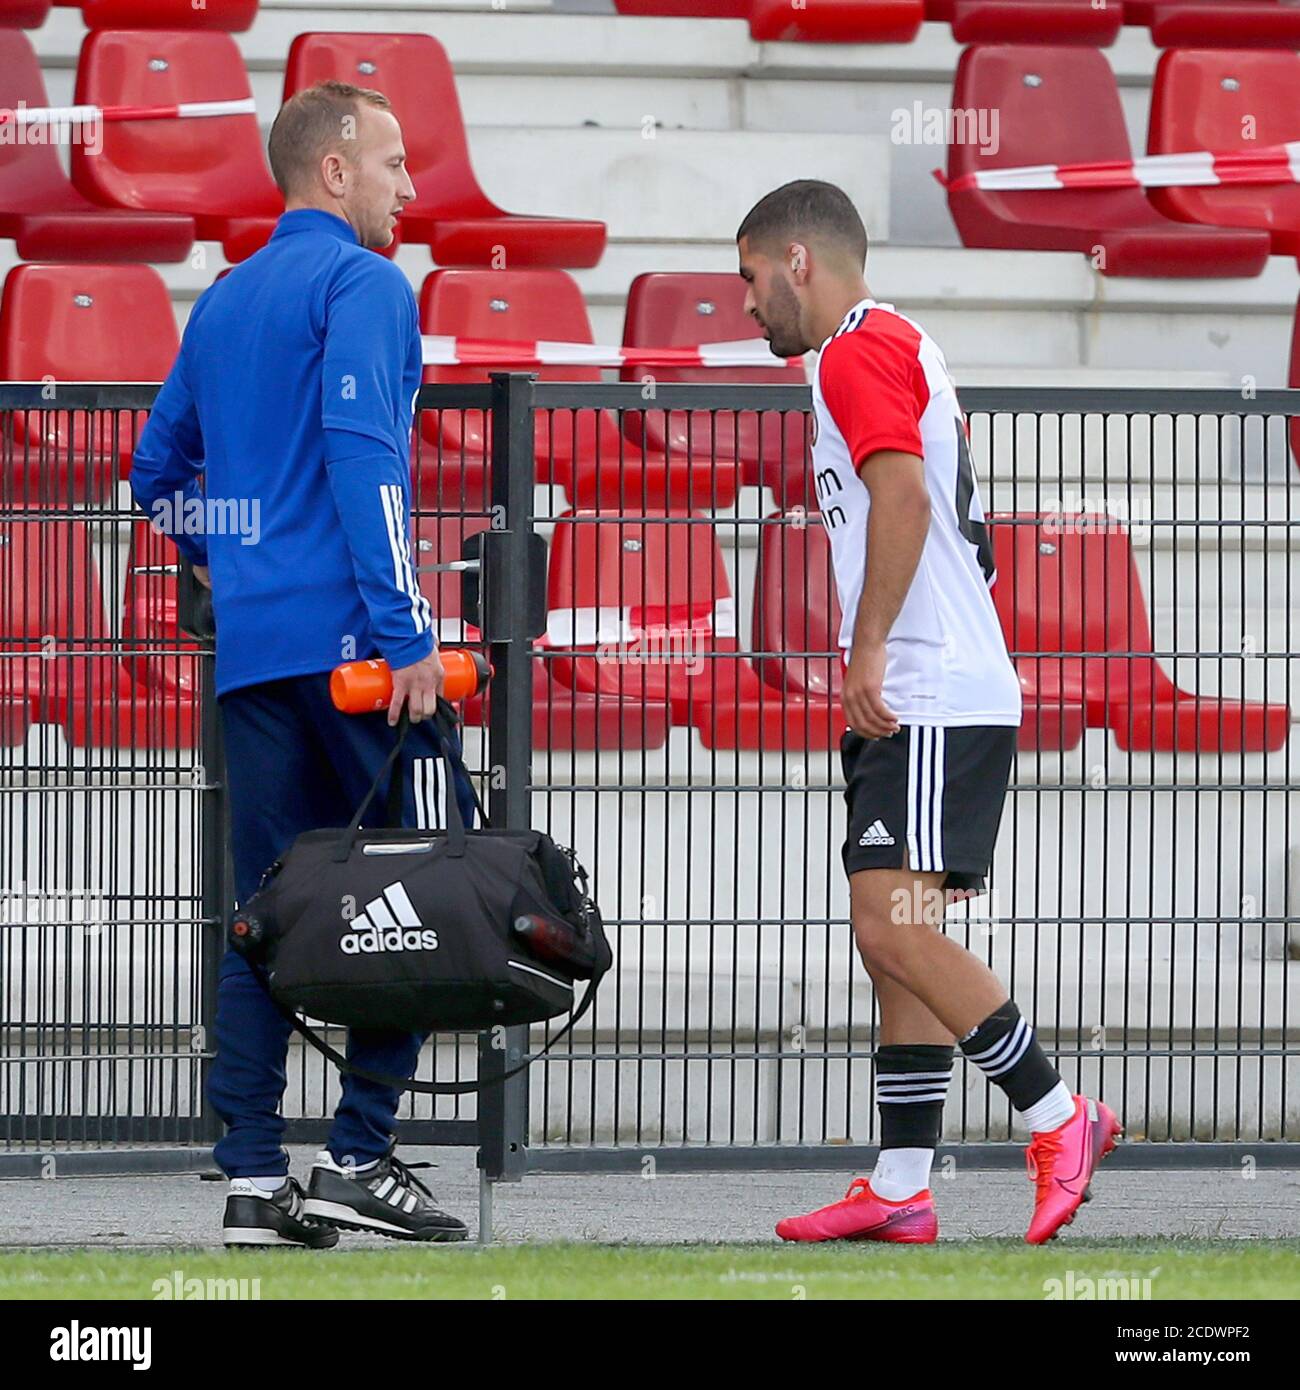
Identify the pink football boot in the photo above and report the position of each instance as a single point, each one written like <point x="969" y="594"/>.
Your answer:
<point x="1061" y="1163"/>
<point x="864" y="1216"/>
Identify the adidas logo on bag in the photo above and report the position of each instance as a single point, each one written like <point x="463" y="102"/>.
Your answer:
<point x="876" y="834"/>
<point x="389" y="923"/>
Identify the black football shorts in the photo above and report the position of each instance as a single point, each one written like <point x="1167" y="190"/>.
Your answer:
<point x="928" y="799"/>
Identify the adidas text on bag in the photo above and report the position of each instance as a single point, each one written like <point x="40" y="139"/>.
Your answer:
<point x="389" y="923"/>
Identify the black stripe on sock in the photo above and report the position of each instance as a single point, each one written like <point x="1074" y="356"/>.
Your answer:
<point x="1007" y="1051"/>
<point x="907" y="1123"/>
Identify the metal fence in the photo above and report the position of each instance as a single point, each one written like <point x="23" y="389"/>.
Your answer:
<point x="664" y="701"/>
<point x="102" y="847"/>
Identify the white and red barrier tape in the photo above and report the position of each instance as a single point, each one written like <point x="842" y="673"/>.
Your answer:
<point x="491" y="352"/>
<point x="1271" y="164"/>
<point x="90" y="115"/>
<point x="439" y="351"/>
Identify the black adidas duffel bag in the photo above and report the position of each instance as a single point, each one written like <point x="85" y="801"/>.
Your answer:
<point x="423" y="930"/>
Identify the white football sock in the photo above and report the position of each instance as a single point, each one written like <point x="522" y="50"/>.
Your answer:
<point x="901" y="1173"/>
<point x="1051" y="1112"/>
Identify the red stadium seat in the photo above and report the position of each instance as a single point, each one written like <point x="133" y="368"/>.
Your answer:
<point x="1211" y="100"/>
<point x="562" y="718"/>
<point x="797" y="611"/>
<point x="1030" y="21"/>
<point x="686" y="9"/>
<point x="23" y="14"/>
<point x="65" y="323"/>
<point x="235" y="16"/>
<point x="1061" y="106"/>
<point x="836" y="21"/>
<point x="1071" y="603"/>
<point x="439" y="540"/>
<point x="582" y="450"/>
<point x="1051" y="690"/>
<point x="151" y="634"/>
<point x="519" y="306"/>
<point x="41" y="209"/>
<point x="566" y="719"/>
<point x="50" y="599"/>
<point x="1047" y="726"/>
<point x="50" y="589"/>
<point x="641" y="612"/>
<point x="684" y="310"/>
<point x="15" y="717"/>
<point x="212" y="168"/>
<point x="461" y="225"/>
<point x="796" y="606"/>
<point x="448" y="479"/>
<point x="1216" y="23"/>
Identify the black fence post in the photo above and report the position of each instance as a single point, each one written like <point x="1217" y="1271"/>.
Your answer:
<point x="503" y="588"/>
<point x="217" y="890"/>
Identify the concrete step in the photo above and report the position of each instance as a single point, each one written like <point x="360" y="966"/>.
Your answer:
<point x="642" y="74"/>
<point x="678" y="185"/>
<point x="1001" y="317"/>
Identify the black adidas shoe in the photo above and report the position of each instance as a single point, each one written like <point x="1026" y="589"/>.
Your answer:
<point x="274" y="1220"/>
<point x="383" y="1198"/>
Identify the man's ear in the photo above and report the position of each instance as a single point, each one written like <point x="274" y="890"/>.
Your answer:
<point x="798" y="261"/>
<point x="331" y="169"/>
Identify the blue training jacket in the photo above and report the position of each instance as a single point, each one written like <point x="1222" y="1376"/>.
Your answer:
<point x="292" y="398"/>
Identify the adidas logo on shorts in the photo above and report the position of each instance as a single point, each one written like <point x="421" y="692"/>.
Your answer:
<point x="876" y="834"/>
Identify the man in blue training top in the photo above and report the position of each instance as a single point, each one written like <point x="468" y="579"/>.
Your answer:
<point x="293" y="397"/>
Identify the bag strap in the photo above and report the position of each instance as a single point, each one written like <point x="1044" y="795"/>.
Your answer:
<point x="425" y="1088"/>
<point x="445" y="723"/>
<point x="397" y="783"/>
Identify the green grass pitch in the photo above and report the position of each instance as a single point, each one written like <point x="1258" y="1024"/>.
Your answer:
<point x="988" y="1269"/>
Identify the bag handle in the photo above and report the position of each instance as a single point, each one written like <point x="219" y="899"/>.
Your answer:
<point x="444" y="722"/>
<point x="424" y="1088"/>
<point x="395" y="788"/>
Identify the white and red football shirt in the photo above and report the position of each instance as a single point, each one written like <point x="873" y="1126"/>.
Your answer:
<point x="882" y="383"/>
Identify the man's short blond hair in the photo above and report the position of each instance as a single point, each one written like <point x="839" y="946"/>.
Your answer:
<point x="311" y="124"/>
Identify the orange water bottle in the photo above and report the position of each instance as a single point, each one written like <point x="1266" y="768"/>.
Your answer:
<point x="361" y="687"/>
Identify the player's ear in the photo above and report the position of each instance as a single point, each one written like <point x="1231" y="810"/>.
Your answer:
<point x="799" y="261"/>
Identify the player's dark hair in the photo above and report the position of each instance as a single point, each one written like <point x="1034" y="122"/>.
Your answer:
<point x="313" y="122"/>
<point x="806" y="208"/>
